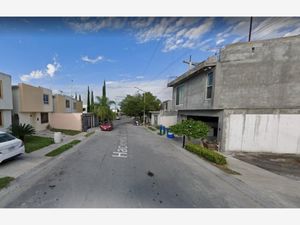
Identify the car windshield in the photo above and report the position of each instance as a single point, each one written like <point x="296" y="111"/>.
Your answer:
<point x="6" y="137"/>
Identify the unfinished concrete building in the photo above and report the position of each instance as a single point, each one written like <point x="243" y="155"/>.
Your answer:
<point x="249" y="96"/>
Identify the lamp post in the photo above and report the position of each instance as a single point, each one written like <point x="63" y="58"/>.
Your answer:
<point x="144" y="105"/>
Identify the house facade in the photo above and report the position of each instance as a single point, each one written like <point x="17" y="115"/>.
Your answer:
<point x="166" y="116"/>
<point x="249" y="96"/>
<point x="6" y="104"/>
<point x="66" y="104"/>
<point x="32" y="105"/>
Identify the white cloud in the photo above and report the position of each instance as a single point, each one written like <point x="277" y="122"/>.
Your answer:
<point x="139" y="77"/>
<point x="92" y="60"/>
<point x="49" y="71"/>
<point x="175" y="32"/>
<point x="189" y="32"/>
<point x="219" y="41"/>
<point x="52" y="68"/>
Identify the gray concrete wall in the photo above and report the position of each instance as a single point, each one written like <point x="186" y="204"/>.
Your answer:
<point x="194" y="96"/>
<point x="262" y="74"/>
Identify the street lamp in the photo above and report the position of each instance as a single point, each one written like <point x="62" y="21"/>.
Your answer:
<point x="144" y="105"/>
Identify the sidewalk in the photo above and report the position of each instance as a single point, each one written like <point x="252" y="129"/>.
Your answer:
<point x="28" y="161"/>
<point x="280" y="188"/>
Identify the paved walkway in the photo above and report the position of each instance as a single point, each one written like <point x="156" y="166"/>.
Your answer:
<point x="28" y="161"/>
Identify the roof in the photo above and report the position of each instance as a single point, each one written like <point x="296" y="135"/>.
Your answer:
<point x="210" y="62"/>
<point x="5" y="74"/>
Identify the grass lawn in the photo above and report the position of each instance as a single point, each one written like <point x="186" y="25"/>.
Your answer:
<point x="33" y="143"/>
<point x="66" y="132"/>
<point x="62" y="148"/>
<point x="89" y="134"/>
<point x="4" y="181"/>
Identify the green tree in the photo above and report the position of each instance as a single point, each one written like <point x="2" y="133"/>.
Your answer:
<point x="88" y="100"/>
<point x="190" y="129"/>
<point x="102" y="107"/>
<point x="104" y="89"/>
<point x="134" y="105"/>
<point x="92" y="101"/>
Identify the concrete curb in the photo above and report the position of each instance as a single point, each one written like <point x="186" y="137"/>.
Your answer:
<point x="27" y="179"/>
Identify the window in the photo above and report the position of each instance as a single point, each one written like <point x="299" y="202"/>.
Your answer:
<point x="209" y="85"/>
<point x="1" y="119"/>
<point x="44" y="118"/>
<point x="0" y="88"/>
<point x="67" y="103"/>
<point x="46" y="99"/>
<point x="179" y="95"/>
<point x="4" y="137"/>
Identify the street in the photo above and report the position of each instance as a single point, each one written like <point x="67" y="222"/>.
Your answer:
<point x="131" y="167"/>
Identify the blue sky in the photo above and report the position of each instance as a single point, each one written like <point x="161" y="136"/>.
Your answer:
<point x="68" y="54"/>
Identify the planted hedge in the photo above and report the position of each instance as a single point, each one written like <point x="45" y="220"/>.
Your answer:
<point x="210" y="155"/>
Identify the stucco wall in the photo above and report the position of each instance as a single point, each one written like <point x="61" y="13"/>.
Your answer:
<point x="6" y="119"/>
<point x="194" y="93"/>
<point x="6" y="100"/>
<point x="31" y="99"/>
<point x="34" y="119"/>
<point x="69" y="121"/>
<point x="168" y="121"/>
<point x="277" y="133"/>
<point x="262" y="74"/>
<point x="60" y="104"/>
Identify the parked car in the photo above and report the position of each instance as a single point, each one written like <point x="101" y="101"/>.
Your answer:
<point x="106" y="126"/>
<point x="10" y="146"/>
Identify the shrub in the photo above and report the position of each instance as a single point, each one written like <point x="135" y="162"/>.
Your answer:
<point x="210" y="155"/>
<point x="21" y="130"/>
<point x="190" y="128"/>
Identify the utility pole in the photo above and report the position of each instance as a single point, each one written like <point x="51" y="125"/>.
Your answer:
<point x="250" y="29"/>
<point x="72" y="88"/>
<point x="144" y="119"/>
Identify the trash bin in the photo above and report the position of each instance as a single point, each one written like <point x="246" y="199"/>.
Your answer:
<point x="163" y="130"/>
<point x="170" y="135"/>
<point x="160" y="129"/>
<point x="57" y="137"/>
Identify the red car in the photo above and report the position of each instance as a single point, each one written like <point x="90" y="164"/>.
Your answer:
<point x="106" y="126"/>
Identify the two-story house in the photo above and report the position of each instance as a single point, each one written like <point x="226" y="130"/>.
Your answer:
<point x="6" y="104"/>
<point x="66" y="104"/>
<point x="32" y="105"/>
<point x="249" y="96"/>
<point x="193" y="95"/>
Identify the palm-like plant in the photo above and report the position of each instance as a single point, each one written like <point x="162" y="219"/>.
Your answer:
<point x="102" y="108"/>
<point x="21" y="130"/>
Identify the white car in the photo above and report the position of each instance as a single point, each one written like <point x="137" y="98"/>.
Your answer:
<point x="10" y="146"/>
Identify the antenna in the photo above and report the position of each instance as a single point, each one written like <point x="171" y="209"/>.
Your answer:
<point x="190" y="63"/>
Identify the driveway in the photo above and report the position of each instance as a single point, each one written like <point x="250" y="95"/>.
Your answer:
<point x="132" y="167"/>
<point x="287" y="165"/>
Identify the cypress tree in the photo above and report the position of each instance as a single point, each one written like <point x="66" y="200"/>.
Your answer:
<point x="80" y="98"/>
<point x="104" y="90"/>
<point x="88" y="100"/>
<point x="92" y="100"/>
<point x="76" y="96"/>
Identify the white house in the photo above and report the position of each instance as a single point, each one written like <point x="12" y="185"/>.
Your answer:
<point x="6" y="104"/>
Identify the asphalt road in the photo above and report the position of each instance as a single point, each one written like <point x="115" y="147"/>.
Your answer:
<point x="131" y="167"/>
